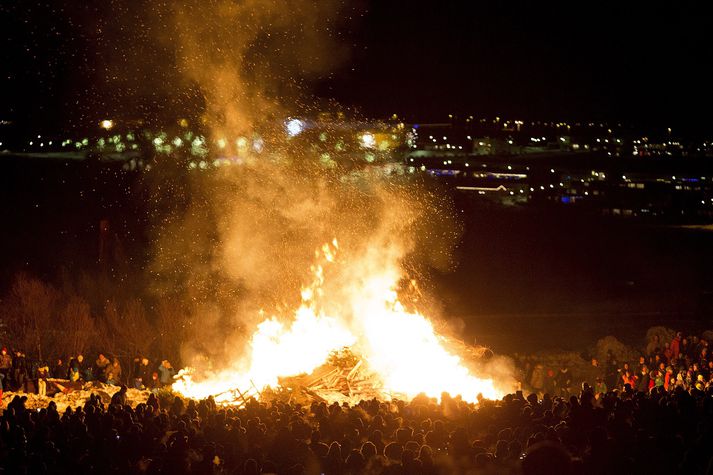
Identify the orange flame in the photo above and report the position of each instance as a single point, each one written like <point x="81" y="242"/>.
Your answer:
<point x="400" y="347"/>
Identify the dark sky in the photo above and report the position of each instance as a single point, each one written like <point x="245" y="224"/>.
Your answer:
<point x="636" y="61"/>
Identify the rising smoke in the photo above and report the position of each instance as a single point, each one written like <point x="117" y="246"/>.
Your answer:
<point x="243" y="238"/>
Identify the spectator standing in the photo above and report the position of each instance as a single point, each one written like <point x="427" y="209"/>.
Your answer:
<point x="73" y="372"/>
<point x="537" y="380"/>
<point x="600" y="387"/>
<point x="685" y="347"/>
<point x="595" y="370"/>
<point x="675" y="345"/>
<point x="60" y="370"/>
<point x="82" y="368"/>
<point x="550" y="382"/>
<point x="694" y="349"/>
<point x="628" y="378"/>
<point x="642" y="363"/>
<point x="154" y="382"/>
<point x="703" y="359"/>
<point x="145" y="370"/>
<point x="43" y="372"/>
<point x="644" y="380"/>
<point x="114" y="372"/>
<point x="166" y="373"/>
<point x="610" y="370"/>
<point x="564" y="381"/>
<point x="669" y="379"/>
<point x="19" y="371"/>
<point x="136" y="373"/>
<point x="102" y="366"/>
<point x="5" y="363"/>
<point x="654" y="345"/>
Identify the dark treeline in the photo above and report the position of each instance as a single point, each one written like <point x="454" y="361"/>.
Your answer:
<point x="47" y="322"/>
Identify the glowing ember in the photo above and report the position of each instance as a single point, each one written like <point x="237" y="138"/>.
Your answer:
<point x="400" y="347"/>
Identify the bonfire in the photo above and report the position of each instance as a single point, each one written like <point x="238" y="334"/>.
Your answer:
<point x="367" y="346"/>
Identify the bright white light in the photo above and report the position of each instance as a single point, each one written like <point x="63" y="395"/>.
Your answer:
<point x="294" y="127"/>
<point x="106" y="124"/>
<point x="368" y="140"/>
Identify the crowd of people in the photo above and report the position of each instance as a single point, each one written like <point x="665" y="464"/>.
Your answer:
<point x="684" y="362"/>
<point x="617" y="432"/>
<point x="19" y="374"/>
<point x="593" y="428"/>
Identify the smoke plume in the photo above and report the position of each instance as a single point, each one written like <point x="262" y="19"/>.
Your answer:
<point x="239" y="242"/>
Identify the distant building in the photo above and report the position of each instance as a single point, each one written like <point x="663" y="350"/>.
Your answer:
<point x="494" y="146"/>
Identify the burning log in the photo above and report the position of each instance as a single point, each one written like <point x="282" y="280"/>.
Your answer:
<point x="343" y="377"/>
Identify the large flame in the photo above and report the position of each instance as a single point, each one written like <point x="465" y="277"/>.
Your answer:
<point x="401" y="347"/>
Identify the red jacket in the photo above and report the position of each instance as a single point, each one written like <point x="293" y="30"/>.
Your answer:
<point x="675" y="347"/>
<point x="667" y="380"/>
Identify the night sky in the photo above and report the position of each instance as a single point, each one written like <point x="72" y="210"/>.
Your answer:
<point x="635" y="61"/>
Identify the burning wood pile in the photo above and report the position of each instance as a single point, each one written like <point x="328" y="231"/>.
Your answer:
<point x="345" y="377"/>
<point x="304" y="356"/>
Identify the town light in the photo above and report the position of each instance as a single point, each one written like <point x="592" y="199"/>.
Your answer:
<point x="368" y="140"/>
<point x="294" y="127"/>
